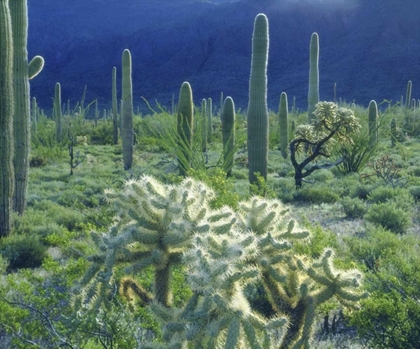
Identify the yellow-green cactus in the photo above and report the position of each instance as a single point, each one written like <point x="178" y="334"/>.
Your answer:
<point x="185" y="120"/>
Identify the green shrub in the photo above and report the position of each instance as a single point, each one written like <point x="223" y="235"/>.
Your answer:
<point x="386" y="194"/>
<point x="353" y="207"/>
<point x="415" y="192"/>
<point x="362" y="191"/>
<point x="389" y="318"/>
<point x="22" y="251"/>
<point x="316" y="195"/>
<point x="389" y="216"/>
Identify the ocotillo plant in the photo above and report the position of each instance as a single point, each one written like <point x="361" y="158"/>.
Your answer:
<point x="373" y="122"/>
<point x="313" y="91"/>
<point x="57" y="111"/>
<point x="6" y="120"/>
<point x="257" y="118"/>
<point x="228" y="134"/>
<point x="393" y="132"/>
<point x="22" y="113"/>
<point x="284" y="125"/>
<point x="209" y="119"/>
<point x="204" y="125"/>
<point x="408" y="94"/>
<point x="114" y="106"/>
<point x="185" y="119"/>
<point x="127" y="111"/>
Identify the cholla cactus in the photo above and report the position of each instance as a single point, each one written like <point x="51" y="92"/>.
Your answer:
<point x="223" y="250"/>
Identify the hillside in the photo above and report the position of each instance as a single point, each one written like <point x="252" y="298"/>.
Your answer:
<point x="369" y="47"/>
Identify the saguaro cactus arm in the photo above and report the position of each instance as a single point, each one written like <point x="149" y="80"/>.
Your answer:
<point x="127" y="111"/>
<point x="313" y="91"/>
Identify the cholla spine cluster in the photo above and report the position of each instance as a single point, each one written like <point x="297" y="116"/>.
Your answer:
<point x="223" y="250"/>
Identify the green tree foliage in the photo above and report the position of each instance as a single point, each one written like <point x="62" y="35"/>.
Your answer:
<point x="315" y="140"/>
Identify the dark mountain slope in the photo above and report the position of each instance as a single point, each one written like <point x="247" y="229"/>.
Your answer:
<point x="369" y="47"/>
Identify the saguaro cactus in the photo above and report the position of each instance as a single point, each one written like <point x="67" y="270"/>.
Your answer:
<point x="408" y="94"/>
<point x="313" y="91"/>
<point x="209" y="116"/>
<point x="114" y="106"/>
<point x="57" y="111"/>
<point x="257" y="117"/>
<point x="228" y="133"/>
<point x="393" y="132"/>
<point x="373" y="122"/>
<point x="284" y="124"/>
<point x="22" y="114"/>
<point x="6" y="121"/>
<point x="204" y="125"/>
<point x="185" y="125"/>
<point x="127" y="111"/>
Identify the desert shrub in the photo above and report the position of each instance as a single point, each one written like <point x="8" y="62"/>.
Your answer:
<point x="385" y="194"/>
<point x="322" y="175"/>
<point x="316" y="195"/>
<point x="389" y="317"/>
<point x="414" y="171"/>
<point x="353" y="207"/>
<point x="415" y="192"/>
<point x="22" y="251"/>
<point x="362" y="191"/>
<point x="37" y="161"/>
<point x="389" y="216"/>
<point x="101" y="134"/>
<point x="285" y="189"/>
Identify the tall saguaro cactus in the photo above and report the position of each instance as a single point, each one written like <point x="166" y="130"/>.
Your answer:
<point x="313" y="91"/>
<point x="373" y="122"/>
<point x="209" y="117"/>
<point x="257" y="117"/>
<point x="284" y="124"/>
<point x="57" y="111"/>
<point x="204" y="125"/>
<point x="6" y="119"/>
<point x="408" y="94"/>
<point x="114" y="106"/>
<point x="127" y="111"/>
<point x="185" y="121"/>
<point x="21" y="117"/>
<point x="228" y="133"/>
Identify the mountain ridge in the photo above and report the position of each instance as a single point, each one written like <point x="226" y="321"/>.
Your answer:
<point x="368" y="47"/>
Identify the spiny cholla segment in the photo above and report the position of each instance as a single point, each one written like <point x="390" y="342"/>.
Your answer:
<point x="223" y="250"/>
<point x="153" y="226"/>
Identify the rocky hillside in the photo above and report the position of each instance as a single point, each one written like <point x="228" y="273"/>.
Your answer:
<point x="369" y="47"/>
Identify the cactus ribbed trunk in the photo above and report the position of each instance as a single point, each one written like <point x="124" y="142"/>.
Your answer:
<point x="313" y="91"/>
<point x="6" y="120"/>
<point x="228" y="133"/>
<point x="57" y="111"/>
<point x="34" y="115"/>
<point x="408" y="94"/>
<point x="373" y="122"/>
<point x="204" y="125"/>
<point x="127" y="111"/>
<point x="284" y="124"/>
<point x="393" y="132"/>
<point x="22" y="112"/>
<point x="185" y="121"/>
<point x="209" y="121"/>
<point x="257" y="117"/>
<point x="114" y="106"/>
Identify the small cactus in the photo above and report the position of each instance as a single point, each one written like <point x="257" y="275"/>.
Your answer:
<point x="57" y="111"/>
<point x="228" y="134"/>
<point x="284" y="125"/>
<point x="185" y="126"/>
<point x="373" y="122"/>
